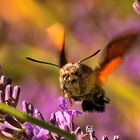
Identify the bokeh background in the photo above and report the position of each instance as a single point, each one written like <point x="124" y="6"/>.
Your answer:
<point x="89" y="25"/>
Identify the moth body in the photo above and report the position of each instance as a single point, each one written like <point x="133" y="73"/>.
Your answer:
<point x="80" y="82"/>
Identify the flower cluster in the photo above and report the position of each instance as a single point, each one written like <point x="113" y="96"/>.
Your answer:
<point x="11" y="127"/>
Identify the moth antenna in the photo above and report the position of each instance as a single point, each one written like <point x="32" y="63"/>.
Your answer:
<point x="34" y="60"/>
<point x="89" y="56"/>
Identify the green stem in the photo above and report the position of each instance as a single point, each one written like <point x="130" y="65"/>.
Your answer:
<point x="25" y="117"/>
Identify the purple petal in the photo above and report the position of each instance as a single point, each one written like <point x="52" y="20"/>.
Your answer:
<point x="53" y="118"/>
<point x="28" y="108"/>
<point x="61" y="121"/>
<point x="16" y="94"/>
<point x="2" y="79"/>
<point x="2" y="126"/>
<point x="63" y="103"/>
<point x="79" y="137"/>
<point x="36" y="132"/>
<point x="29" y="128"/>
<point x="8" y="81"/>
<point x="78" y="131"/>
<point x="73" y="112"/>
<point x="38" y="115"/>
<point x="2" y="97"/>
<point x="12" y="121"/>
<point x="8" y="132"/>
<point x="8" y="93"/>
<point x="42" y="135"/>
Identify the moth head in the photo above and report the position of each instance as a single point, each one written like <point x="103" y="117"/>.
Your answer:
<point x="70" y="73"/>
<point x="74" y="68"/>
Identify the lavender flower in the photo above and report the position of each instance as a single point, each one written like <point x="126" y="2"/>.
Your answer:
<point x="136" y="6"/>
<point x="63" y="119"/>
<point x="4" y="81"/>
<point x="34" y="132"/>
<point x="63" y="104"/>
<point x="8" y="94"/>
<point x="12" y="127"/>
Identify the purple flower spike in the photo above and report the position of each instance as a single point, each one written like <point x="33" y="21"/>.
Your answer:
<point x="35" y="132"/>
<point x="79" y="133"/>
<point x="2" y="79"/>
<point x="8" y="93"/>
<point x="59" y="121"/>
<point x="12" y="122"/>
<point x="10" y="96"/>
<point x="38" y="115"/>
<point x="63" y="104"/>
<point x="28" y="108"/>
<point x="64" y="120"/>
<point x="53" y="119"/>
<point x="16" y="94"/>
<point x="11" y="127"/>
<point x="8" y="132"/>
<point x="4" y="82"/>
<point x="2" y="97"/>
<point x="136" y="6"/>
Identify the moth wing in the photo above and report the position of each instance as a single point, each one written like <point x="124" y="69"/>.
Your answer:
<point x="62" y="57"/>
<point x="114" y="53"/>
<point x="55" y="33"/>
<point x="108" y="67"/>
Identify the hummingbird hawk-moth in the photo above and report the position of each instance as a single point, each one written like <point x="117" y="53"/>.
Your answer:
<point x="81" y="82"/>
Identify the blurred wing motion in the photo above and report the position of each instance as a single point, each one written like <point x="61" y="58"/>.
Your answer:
<point x="56" y="34"/>
<point x="114" y="52"/>
<point x="62" y="57"/>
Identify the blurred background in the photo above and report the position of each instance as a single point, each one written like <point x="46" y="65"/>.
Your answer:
<point x="89" y="25"/>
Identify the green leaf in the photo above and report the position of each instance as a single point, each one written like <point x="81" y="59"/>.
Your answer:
<point x="25" y="117"/>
